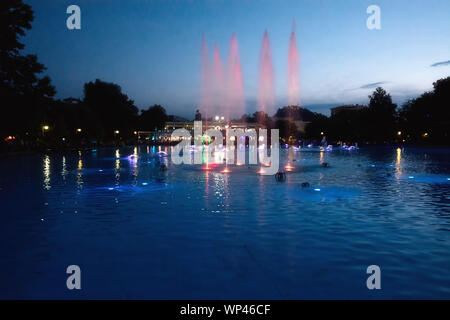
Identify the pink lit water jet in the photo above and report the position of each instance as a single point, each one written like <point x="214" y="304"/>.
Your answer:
<point x="218" y="93"/>
<point x="293" y="70"/>
<point x="266" y="98"/>
<point x="205" y="83"/>
<point x="235" y="86"/>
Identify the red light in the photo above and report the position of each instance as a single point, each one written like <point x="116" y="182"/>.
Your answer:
<point x="10" y="138"/>
<point x="288" y="167"/>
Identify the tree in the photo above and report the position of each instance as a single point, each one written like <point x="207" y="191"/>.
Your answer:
<point x="27" y="96"/>
<point x="426" y="119"/>
<point x="154" y="117"/>
<point x="381" y="120"/>
<point x="112" y="109"/>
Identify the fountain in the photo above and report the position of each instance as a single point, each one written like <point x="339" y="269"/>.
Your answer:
<point x="235" y="86"/>
<point x="205" y="100"/>
<point x="266" y="100"/>
<point x="293" y="70"/>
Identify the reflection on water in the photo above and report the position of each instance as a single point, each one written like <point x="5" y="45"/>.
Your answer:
<point x="46" y="171"/>
<point x="64" y="171"/>
<point x="243" y="230"/>
<point x="398" y="164"/>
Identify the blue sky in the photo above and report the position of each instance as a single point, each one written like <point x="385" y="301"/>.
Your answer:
<point x="152" y="48"/>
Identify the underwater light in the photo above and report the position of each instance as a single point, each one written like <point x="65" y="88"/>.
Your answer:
<point x="317" y="189"/>
<point x="411" y="177"/>
<point x="110" y="189"/>
<point x="101" y="170"/>
<point x="260" y="171"/>
<point x="144" y="183"/>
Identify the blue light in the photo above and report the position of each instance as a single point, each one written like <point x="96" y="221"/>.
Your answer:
<point x="101" y="170"/>
<point x="110" y="188"/>
<point x="144" y="183"/>
<point x="317" y="189"/>
<point x="411" y="177"/>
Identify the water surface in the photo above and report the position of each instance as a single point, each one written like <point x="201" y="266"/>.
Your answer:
<point x="187" y="233"/>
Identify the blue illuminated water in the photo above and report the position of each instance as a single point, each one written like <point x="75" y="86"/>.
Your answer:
<point x="186" y="233"/>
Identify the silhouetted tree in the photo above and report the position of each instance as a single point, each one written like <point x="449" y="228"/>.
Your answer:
<point x="426" y="119"/>
<point x="26" y="96"/>
<point x="112" y="109"/>
<point x="380" y="119"/>
<point x="154" y="117"/>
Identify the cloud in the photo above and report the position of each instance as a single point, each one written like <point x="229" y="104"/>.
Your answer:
<point x="441" y="63"/>
<point x="372" y="85"/>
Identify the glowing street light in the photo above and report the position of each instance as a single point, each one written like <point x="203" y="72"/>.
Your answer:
<point x="44" y="129"/>
<point x="321" y="133"/>
<point x="79" y="130"/>
<point x="217" y="118"/>
<point x="116" y="132"/>
<point x="399" y="133"/>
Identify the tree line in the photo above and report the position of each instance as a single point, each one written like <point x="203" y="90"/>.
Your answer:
<point x="32" y="115"/>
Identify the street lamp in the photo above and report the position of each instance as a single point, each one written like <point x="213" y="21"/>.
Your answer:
<point x="116" y="132"/>
<point x="44" y="129"/>
<point x="217" y="118"/>
<point x="79" y="130"/>
<point x="399" y="133"/>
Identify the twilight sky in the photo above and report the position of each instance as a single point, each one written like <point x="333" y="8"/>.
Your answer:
<point x="152" y="48"/>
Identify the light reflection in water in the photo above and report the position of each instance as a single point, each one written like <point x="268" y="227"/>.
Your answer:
<point x="398" y="164"/>
<point x="117" y="167"/>
<point x="46" y="171"/>
<point x="64" y="171"/>
<point x="80" y="173"/>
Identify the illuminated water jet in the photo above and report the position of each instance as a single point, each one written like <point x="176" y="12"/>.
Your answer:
<point x="235" y="86"/>
<point x="293" y="70"/>
<point x="205" y="100"/>
<point x="266" y="99"/>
